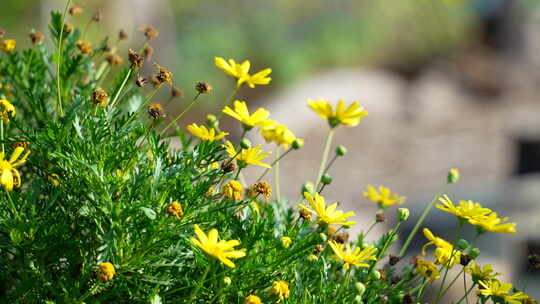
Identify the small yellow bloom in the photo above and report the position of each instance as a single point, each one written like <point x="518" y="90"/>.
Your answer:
<point x="493" y="223"/>
<point x="280" y="289"/>
<point x="252" y="156"/>
<point x="54" y="179"/>
<point x="259" y="78"/>
<point x="312" y="257"/>
<point x="252" y="299"/>
<point x="9" y="45"/>
<point x="9" y="175"/>
<point x="466" y="210"/>
<point x="353" y="256"/>
<point x="495" y="289"/>
<point x="444" y="252"/>
<point x="286" y="241"/>
<point x="204" y="133"/>
<point x="241" y="72"/>
<point x="278" y="134"/>
<point x="84" y="47"/>
<point x="481" y="274"/>
<point x="106" y="271"/>
<point x="7" y="110"/>
<point x="349" y="116"/>
<point x="453" y="175"/>
<point x="427" y="269"/>
<point x="221" y="250"/>
<point x="241" y="113"/>
<point x="328" y="215"/>
<point x="233" y="190"/>
<point x="175" y="209"/>
<point x="384" y="197"/>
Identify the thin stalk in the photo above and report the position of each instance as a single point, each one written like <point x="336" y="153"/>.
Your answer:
<point x="421" y="220"/>
<point x="330" y="163"/>
<point x="229" y="100"/>
<point x="13" y="208"/>
<point x="370" y="227"/>
<point x="273" y="163"/>
<point x="201" y="282"/>
<point x="2" y="133"/>
<point x="58" y="66"/>
<point x="276" y="175"/>
<point x="466" y="294"/>
<point x="456" y="238"/>
<point x="140" y="107"/>
<point x="181" y="114"/>
<point x="381" y="253"/>
<point x="325" y="155"/>
<point x="117" y="93"/>
<point x="465" y="287"/>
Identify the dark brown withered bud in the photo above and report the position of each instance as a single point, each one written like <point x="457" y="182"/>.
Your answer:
<point x="97" y="16"/>
<point x="534" y="261"/>
<point x="155" y="82"/>
<point x="203" y="88"/>
<point x="68" y="28"/>
<point x="141" y="81"/>
<point x="465" y="259"/>
<point x="36" y="37"/>
<point x="409" y="299"/>
<point x="2" y="33"/>
<point x="114" y="60"/>
<point x="393" y="260"/>
<point x="163" y="75"/>
<point x="228" y="166"/>
<point x="380" y="217"/>
<point x="383" y="274"/>
<point x="122" y="35"/>
<point x="75" y="10"/>
<point x="100" y="97"/>
<point x="394" y="280"/>
<point x="341" y="238"/>
<point x="176" y="92"/>
<point x="148" y="51"/>
<point x="23" y="144"/>
<point x="155" y="110"/>
<point x="149" y="32"/>
<point x="305" y="215"/>
<point x="318" y="249"/>
<point x="135" y="59"/>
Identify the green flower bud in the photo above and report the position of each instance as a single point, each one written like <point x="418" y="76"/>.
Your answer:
<point x="333" y="122"/>
<point x="463" y="244"/>
<point x="361" y="288"/>
<point x="453" y="175"/>
<point x="326" y="179"/>
<point x="212" y="121"/>
<point x="245" y="143"/>
<point x="475" y="252"/>
<point x="298" y="143"/>
<point x="323" y="236"/>
<point x="341" y="150"/>
<point x="403" y="214"/>
<point x="227" y="280"/>
<point x="308" y="187"/>
<point x="375" y="275"/>
<point x="358" y="299"/>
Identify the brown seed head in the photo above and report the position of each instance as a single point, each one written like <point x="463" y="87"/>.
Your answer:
<point x="465" y="259"/>
<point x="2" y="33"/>
<point x="176" y="92"/>
<point x="68" y="28"/>
<point x="23" y="144"/>
<point x="100" y="97"/>
<point x="141" y="81"/>
<point x="135" y="59"/>
<point x="409" y="299"/>
<point x="534" y="261"/>
<point x="228" y="166"/>
<point x="148" y="51"/>
<point x="75" y="10"/>
<point x="36" y="37"/>
<point x="97" y="16"/>
<point x="305" y="215"/>
<point x="393" y="260"/>
<point x="163" y="75"/>
<point x="318" y="249"/>
<point x="84" y="46"/>
<point x="155" y="110"/>
<point x="380" y="217"/>
<point x="203" y="88"/>
<point x="341" y="238"/>
<point x="122" y="35"/>
<point x="149" y="32"/>
<point x="260" y="188"/>
<point x="114" y="60"/>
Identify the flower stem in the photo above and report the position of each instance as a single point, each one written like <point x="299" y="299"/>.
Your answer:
<point x="201" y="282"/>
<point x="325" y="155"/>
<point x="229" y="100"/>
<point x="276" y="175"/>
<point x="140" y="108"/>
<point x="466" y="294"/>
<point x="117" y="93"/>
<point x="181" y="114"/>
<point x="440" y="293"/>
<point x="2" y="133"/>
<point x="273" y="163"/>
<point x="58" y="66"/>
<point x="421" y="220"/>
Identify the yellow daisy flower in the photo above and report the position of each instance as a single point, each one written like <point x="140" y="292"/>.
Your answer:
<point x="221" y="250"/>
<point x="9" y="175"/>
<point x="241" y="113"/>
<point x="427" y="269"/>
<point x="353" y="256"/>
<point x="9" y="45"/>
<point x="241" y="72"/>
<point x="328" y="215"/>
<point x="349" y="116"/>
<point x="493" y="223"/>
<point x="384" y="197"/>
<point x="494" y="288"/>
<point x="204" y="133"/>
<point x="259" y="78"/>
<point x="466" y="209"/>
<point x="106" y="271"/>
<point x="444" y="252"/>
<point x="7" y="110"/>
<point x="252" y="156"/>
<point x="280" y="289"/>
<point x="286" y="241"/>
<point x="278" y="134"/>
<point x="252" y="299"/>
<point x="481" y="274"/>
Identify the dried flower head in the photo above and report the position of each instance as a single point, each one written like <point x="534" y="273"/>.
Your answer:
<point x="175" y="209"/>
<point x="84" y="47"/>
<point x="23" y="144"/>
<point x="122" y="35"/>
<point x="135" y="59"/>
<point x="100" y="97"/>
<point x="318" y="249"/>
<point x="155" y="110"/>
<point x="149" y="32"/>
<point x="106" y="272"/>
<point x="393" y="259"/>
<point x="2" y="33"/>
<point x="75" y="10"/>
<point x="114" y="60"/>
<point x="203" y="88"/>
<point x="163" y="75"/>
<point x="534" y="261"/>
<point x="68" y="28"/>
<point x="340" y="238"/>
<point x="380" y="217"/>
<point x="141" y="81"/>
<point x="176" y="92"/>
<point x="97" y="16"/>
<point x="305" y="214"/>
<point x="228" y="166"/>
<point x="36" y="37"/>
<point x="260" y="188"/>
<point x="148" y="51"/>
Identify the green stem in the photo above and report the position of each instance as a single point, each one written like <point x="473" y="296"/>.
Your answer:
<point x="370" y="227"/>
<point x="2" y="133"/>
<point x="330" y="163"/>
<point x="201" y="282"/>
<point x="229" y="100"/>
<point x="421" y="220"/>
<point x="381" y="253"/>
<point x="140" y="108"/>
<point x="273" y="163"/>
<point x="276" y="175"/>
<point x="466" y="294"/>
<point x="58" y="66"/>
<point x="325" y="156"/>
<point x="13" y="208"/>
<point x="181" y="114"/>
<point x="456" y="238"/>
<point x="117" y="93"/>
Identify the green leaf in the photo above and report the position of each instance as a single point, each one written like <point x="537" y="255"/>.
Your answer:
<point x="151" y="214"/>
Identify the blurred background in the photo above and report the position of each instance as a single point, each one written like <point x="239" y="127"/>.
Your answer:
<point x="447" y="83"/>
